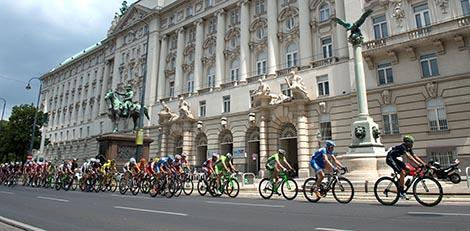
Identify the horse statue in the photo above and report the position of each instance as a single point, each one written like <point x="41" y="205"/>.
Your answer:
<point x="120" y="105"/>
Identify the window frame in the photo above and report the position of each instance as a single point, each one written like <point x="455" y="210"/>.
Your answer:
<point x="466" y="8"/>
<point x="385" y="68"/>
<point x="437" y="107"/>
<point x="285" y="90"/>
<point x="421" y="14"/>
<point x="202" y="108"/>
<point x="327" y="48"/>
<point x="382" y="26"/>
<point x="324" y="10"/>
<point x="226" y="104"/>
<point x="323" y="86"/>
<point x="171" y="89"/>
<point x="429" y="58"/>
<point x="292" y="57"/>
<point x="261" y="64"/>
<point x="390" y="116"/>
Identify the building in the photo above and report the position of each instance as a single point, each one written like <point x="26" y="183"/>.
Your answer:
<point x="214" y="52"/>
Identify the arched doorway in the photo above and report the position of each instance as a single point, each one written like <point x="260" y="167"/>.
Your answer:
<point x="178" y="145"/>
<point x="201" y="149"/>
<point x="252" y="149"/>
<point x="226" y="142"/>
<point x="288" y="142"/>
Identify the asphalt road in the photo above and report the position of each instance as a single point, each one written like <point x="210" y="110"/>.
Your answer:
<point x="58" y="210"/>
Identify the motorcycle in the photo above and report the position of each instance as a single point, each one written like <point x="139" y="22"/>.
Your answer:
<point x="449" y="173"/>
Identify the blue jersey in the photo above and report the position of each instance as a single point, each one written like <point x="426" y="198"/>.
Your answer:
<point x="318" y="155"/>
<point x="162" y="162"/>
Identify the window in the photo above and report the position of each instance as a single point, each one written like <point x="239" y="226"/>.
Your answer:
<point x="292" y="55"/>
<point x="212" y="25"/>
<point x="422" y="15"/>
<point x="234" y="41"/>
<point x="190" y="83"/>
<point x="202" y="108"/>
<point x="385" y="73"/>
<point x="172" y="89"/>
<point x="380" y="27"/>
<point x="81" y="133"/>
<point x="252" y="98"/>
<point x="211" y="49"/>
<point x="429" y="65"/>
<point x="436" y="115"/>
<point x="259" y="7"/>
<point x="285" y="90"/>
<point x="101" y="127"/>
<point x="290" y="23"/>
<point x="261" y="32"/>
<point x="465" y="7"/>
<point x="390" y="118"/>
<point x="325" y="127"/>
<point x="172" y="63"/>
<point x="192" y="35"/>
<point x="323" y="86"/>
<point x="211" y="78"/>
<point x="261" y="64"/>
<point x="234" y="70"/>
<point x="173" y="42"/>
<point x="189" y="11"/>
<point x="444" y="155"/>
<point x="209" y="3"/>
<point x="327" y="47"/>
<point x="324" y="12"/>
<point x="88" y="131"/>
<point x="226" y="100"/>
<point x="234" y="17"/>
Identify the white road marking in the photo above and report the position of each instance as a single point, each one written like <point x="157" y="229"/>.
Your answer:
<point x="331" y="229"/>
<point x="18" y="224"/>
<point x="150" y="211"/>
<point x="5" y="192"/>
<point x="439" y="214"/>
<point x="135" y="197"/>
<point x="245" y="204"/>
<point x="53" y="199"/>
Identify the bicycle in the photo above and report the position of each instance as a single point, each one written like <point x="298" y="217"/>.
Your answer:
<point x="341" y="187"/>
<point x="426" y="190"/>
<point x="267" y="187"/>
<point x="228" y="184"/>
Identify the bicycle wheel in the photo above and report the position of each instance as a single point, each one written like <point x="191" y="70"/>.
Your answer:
<point x="169" y="188"/>
<point x="188" y="186"/>
<point x="134" y="186"/>
<point x="232" y="188"/>
<point x="289" y="189"/>
<point x="202" y="187"/>
<point x="178" y="187"/>
<point x="427" y="191"/>
<point x="58" y="183"/>
<point x="265" y="188"/>
<point x="386" y="191"/>
<point x="343" y="190"/>
<point x="123" y="185"/>
<point x="145" y="187"/>
<point x="113" y="185"/>
<point x="309" y="189"/>
<point x="75" y="183"/>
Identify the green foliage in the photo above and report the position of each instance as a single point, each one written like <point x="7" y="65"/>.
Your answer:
<point x="15" y="135"/>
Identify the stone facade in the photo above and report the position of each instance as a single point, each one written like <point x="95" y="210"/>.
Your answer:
<point x="213" y="53"/>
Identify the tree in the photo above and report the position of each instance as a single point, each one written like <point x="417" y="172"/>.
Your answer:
<point x="15" y="136"/>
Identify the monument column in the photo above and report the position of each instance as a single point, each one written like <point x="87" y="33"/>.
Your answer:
<point x="341" y="35"/>
<point x="164" y="141"/>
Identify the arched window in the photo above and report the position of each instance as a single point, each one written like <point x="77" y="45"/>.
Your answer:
<point x="190" y="83"/>
<point x="290" y="23"/>
<point x="261" y="63"/>
<point x="292" y="55"/>
<point x="324" y="12"/>
<point x="390" y="118"/>
<point x="436" y="114"/>
<point x="211" y="77"/>
<point x="234" y="70"/>
<point x="261" y="32"/>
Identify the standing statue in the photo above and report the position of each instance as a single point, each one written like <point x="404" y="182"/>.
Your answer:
<point x="124" y="7"/>
<point x="356" y="37"/>
<point x="120" y="105"/>
<point x="184" y="109"/>
<point x="296" y="84"/>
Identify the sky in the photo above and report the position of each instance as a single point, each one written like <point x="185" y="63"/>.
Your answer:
<point x="37" y="35"/>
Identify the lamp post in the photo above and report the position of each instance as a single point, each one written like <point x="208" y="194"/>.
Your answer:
<point x="3" y="111"/>
<point x="28" y="87"/>
<point x="139" y="140"/>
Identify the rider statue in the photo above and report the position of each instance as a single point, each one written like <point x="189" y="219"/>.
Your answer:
<point x="127" y="104"/>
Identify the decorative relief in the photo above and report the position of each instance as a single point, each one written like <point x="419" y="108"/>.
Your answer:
<point x="287" y="12"/>
<point x="386" y="97"/>
<point x="443" y="4"/>
<point x="292" y="35"/>
<point x="432" y="90"/>
<point x="398" y="11"/>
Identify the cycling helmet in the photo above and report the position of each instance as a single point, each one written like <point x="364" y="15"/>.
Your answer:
<point x="184" y="154"/>
<point x="143" y="161"/>
<point x="97" y="161"/>
<point x="178" y="157"/>
<point x="170" y="159"/>
<point x="229" y="155"/>
<point x="330" y="143"/>
<point x="132" y="160"/>
<point x="281" y="151"/>
<point x="408" y="139"/>
<point x="112" y="161"/>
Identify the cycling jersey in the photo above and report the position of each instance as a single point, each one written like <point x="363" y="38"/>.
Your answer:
<point x="219" y="165"/>
<point x="392" y="157"/>
<point x="163" y="162"/>
<point x="317" y="161"/>
<point x="271" y="162"/>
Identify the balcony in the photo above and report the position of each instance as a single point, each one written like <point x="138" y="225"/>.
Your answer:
<point x="324" y="62"/>
<point x="435" y="31"/>
<point x="286" y="71"/>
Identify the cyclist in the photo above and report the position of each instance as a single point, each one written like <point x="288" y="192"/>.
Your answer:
<point x="277" y="163"/>
<point x="208" y="165"/>
<point x="130" y="168"/>
<point x="185" y="162"/>
<point x="319" y="158"/>
<point x="177" y="164"/>
<point x="223" y="165"/>
<point x="397" y="165"/>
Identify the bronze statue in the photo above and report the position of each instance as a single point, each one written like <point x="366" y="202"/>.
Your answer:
<point x="356" y="37"/>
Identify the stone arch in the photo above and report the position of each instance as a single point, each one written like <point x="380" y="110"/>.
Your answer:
<point x="288" y="142"/>
<point x="225" y="141"/>
<point x="201" y="149"/>
<point x="287" y="12"/>
<point x="253" y="149"/>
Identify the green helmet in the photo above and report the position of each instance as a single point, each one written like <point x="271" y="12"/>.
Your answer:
<point x="408" y="139"/>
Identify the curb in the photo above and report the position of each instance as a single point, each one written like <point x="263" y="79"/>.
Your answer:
<point x="19" y="225"/>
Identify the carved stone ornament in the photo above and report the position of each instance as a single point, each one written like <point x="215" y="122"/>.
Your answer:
<point x="185" y="110"/>
<point x="386" y="97"/>
<point x="432" y="90"/>
<point x="322" y="106"/>
<point x="398" y="12"/>
<point x="166" y="115"/>
<point x="443" y="4"/>
<point x="360" y="132"/>
<point x="375" y="133"/>
<point x="297" y="86"/>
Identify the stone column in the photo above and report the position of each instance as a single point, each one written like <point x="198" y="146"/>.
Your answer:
<point x="153" y="59"/>
<point x="341" y="35"/>
<point x="305" y="31"/>
<point x="219" y="50"/>
<point x="75" y="101"/>
<point x="179" y="76"/>
<point x="198" y="72"/>
<point x="244" y="40"/>
<point x="188" y="137"/>
<point x="82" y="97"/>
<point x="302" y="141"/>
<point x="273" y="42"/>
<point x="87" y="99"/>
<point x="161" y="68"/>
<point x="61" y="97"/>
<point x="164" y="140"/>
<point x="97" y="92"/>
<point x="104" y="88"/>
<point x="263" y="140"/>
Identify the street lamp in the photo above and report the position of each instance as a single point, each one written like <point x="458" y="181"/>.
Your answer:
<point x="28" y="87"/>
<point x="139" y="140"/>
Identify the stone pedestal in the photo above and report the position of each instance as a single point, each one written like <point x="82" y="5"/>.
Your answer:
<point x="121" y="147"/>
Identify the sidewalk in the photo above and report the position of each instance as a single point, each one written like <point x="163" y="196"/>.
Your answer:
<point x="5" y="227"/>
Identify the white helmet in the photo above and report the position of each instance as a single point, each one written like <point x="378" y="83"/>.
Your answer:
<point x="178" y="157"/>
<point x="215" y="154"/>
<point x="184" y="154"/>
<point x="229" y="155"/>
<point x="132" y="160"/>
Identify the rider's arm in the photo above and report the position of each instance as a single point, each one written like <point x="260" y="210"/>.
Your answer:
<point x="287" y="163"/>
<point x="415" y="159"/>
<point x="337" y="162"/>
<point x="225" y="166"/>
<point x="278" y="164"/>
<point x="232" y="167"/>
<point x="327" y="161"/>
